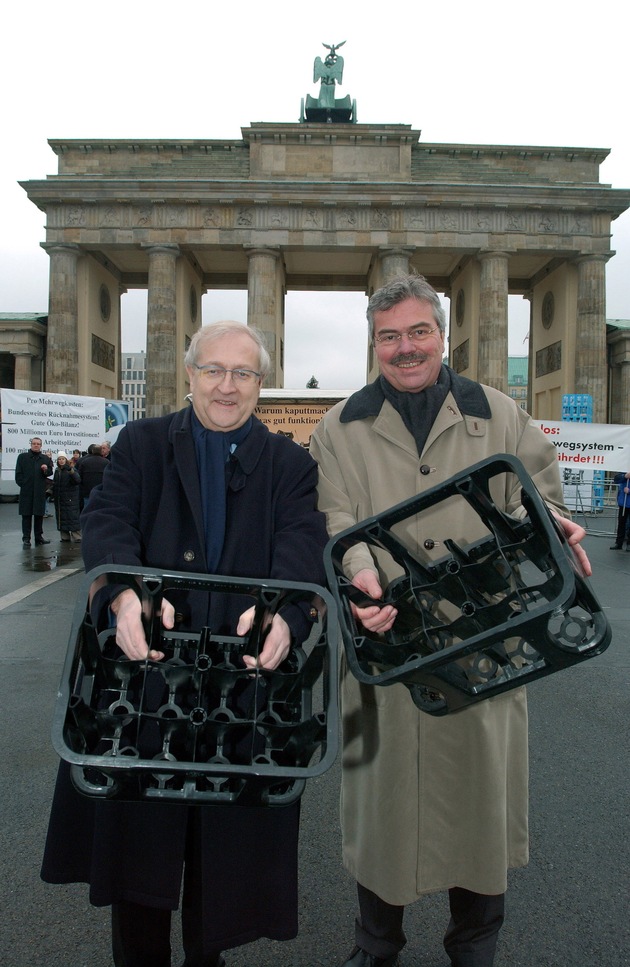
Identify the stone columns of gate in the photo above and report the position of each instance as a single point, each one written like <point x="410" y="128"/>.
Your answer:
<point x="393" y="262"/>
<point x="390" y="263"/>
<point x="529" y="295"/>
<point x="590" y="332"/>
<point x="162" y="359"/>
<point x="623" y="414"/>
<point x="23" y="371"/>
<point x="121" y="292"/>
<point x="265" y="304"/>
<point x="493" y="320"/>
<point x="62" y="340"/>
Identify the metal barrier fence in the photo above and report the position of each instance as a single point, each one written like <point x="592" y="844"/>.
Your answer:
<point x="592" y="502"/>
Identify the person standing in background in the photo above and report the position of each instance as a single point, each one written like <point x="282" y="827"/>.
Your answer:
<point x="91" y="469"/>
<point x="66" y="484"/>
<point x="32" y="470"/>
<point x="622" y="480"/>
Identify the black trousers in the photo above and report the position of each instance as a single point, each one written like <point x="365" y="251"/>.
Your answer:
<point x="36" y="522"/>
<point x="622" y="524"/>
<point x="141" y="936"/>
<point x="470" y="939"/>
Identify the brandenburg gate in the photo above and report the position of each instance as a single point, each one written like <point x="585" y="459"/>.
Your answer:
<point x="321" y="206"/>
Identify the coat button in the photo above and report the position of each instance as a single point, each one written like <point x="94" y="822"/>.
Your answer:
<point x="425" y="469"/>
<point x="429" y="544"/>
<point x="189" y="556"/>
<point x="178" y="617"/>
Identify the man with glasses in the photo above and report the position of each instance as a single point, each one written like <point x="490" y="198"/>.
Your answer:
<point x="207" y="489"/>
<point x="428" y="803"/>
<point x="32" y="470"/>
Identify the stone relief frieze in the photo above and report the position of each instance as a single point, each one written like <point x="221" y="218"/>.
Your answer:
<point x="103" y="353"/>
<point x="483" y="221"/>
<point x="348" y="218"/>
<point x="461" y="356"/>
<point x="399" y="217"/>
<point x="380" y="218"/>
<point x="144" y="216"/>
<point x="111" y="216"/>
<point x="76" y="216"/>
<point x="211" y="218"/>
<point x="176" y="216"/>
<point x="313" y="218"/>
<point x="448" y="221"/>
<point x="415" y="218"/>
<point x="549" y="359"/>
<point x="245" y="217"/>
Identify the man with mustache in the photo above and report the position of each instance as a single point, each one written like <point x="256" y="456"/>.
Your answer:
<point x="428" y="803"/>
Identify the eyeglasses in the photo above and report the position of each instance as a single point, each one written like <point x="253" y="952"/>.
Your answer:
<point x="217" y="373"/>
<point x="418" y="334"/>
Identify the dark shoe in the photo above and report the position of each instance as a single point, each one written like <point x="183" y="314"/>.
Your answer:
<point x="361" y="958"/>
<point x="42" y="540"/>
<point x="26" y="543"/>
<point x="616" y="547"/>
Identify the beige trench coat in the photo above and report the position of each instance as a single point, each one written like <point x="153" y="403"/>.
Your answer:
<point x="427" y="802"/>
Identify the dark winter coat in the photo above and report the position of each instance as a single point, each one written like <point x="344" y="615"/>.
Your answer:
<point x="148" y="511"/>
<point x="623" y="498"/>
<point x="66" y="488"/>
<point x="91" y="469"/>
<point x="32" y="482"/>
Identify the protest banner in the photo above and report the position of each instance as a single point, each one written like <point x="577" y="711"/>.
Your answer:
<point x="63" y="421"/>
<point x="594" y="446"/>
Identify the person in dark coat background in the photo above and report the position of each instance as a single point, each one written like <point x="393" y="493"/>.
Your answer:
<point x="622" y="480"/>
<point x="66" y="484"/>
<point x="32" y="470"/>
<point x="206" y="489"/>
<point x="91" y="468"/>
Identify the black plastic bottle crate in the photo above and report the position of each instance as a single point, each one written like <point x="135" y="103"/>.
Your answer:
<point x="474" y="619"/>
<point x="197" y="726"/>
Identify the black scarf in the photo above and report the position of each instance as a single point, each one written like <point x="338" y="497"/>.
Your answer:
<point x="419" y="410"/>
<point x="213" y="449"/>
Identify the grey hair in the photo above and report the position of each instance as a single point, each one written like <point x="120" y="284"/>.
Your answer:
<point x="403" y="287"/>
<point x="227" y="328"/>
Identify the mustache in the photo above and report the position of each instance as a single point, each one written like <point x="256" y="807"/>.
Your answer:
<point x="416" y="357"/>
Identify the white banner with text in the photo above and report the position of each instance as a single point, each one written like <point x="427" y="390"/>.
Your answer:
<point x="589" y="446"/>
<point x="62" y="421"/>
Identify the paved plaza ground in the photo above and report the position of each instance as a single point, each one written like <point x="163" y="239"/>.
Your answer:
<point x="568" y="908"/>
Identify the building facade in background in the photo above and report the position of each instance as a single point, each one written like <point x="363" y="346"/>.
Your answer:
<point x="133" y="383"/>
<point x="518" y="367"/>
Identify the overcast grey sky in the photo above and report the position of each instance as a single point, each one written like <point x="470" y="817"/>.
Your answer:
<point x="540" y="73"/>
